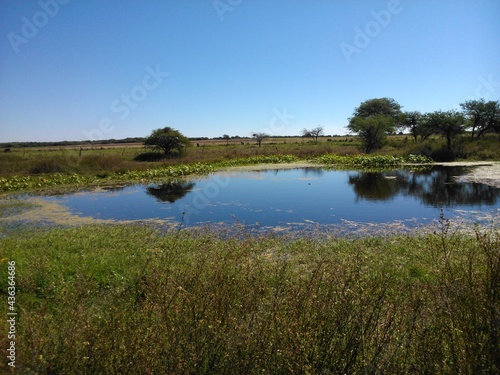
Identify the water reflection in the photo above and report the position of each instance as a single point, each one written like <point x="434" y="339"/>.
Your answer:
<point x="316" y="172"/>
<point x="294" y="197"/>
<point x="171" y="191"/>
<point x="373" y="186"/>
<point x="437" y="187"/>
<point x="305" y="172"/>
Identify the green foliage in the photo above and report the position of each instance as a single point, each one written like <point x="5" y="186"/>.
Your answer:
<point x="482" y="117"/>
<point x="449" y="124"/>
<point x="412" y="121"/>
<point x="127" y="299"/>
<point x="373" y="120"/>
<point x="149" y="157"/>
<point x="372" y="130"/>
<point x="378" y="107"/>
<point x="169" y="140"/>
<point x="259" y="159"/>
<point x="372" y="161"/>
<point x="26" y="183"/>
<point x="165" y="172"/>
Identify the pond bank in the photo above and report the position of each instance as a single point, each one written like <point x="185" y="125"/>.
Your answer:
<point x="484" y="172"/>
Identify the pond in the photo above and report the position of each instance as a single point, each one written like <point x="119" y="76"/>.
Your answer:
<point x="295" y="197"/>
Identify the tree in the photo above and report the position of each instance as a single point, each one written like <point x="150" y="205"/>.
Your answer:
<point x="411" y="121"/>
<point x="372" y="130"/>
<point x="314" y="133"/>
<point x="168" y="140"/>
<point x="425" y="128"/>
<point x="259" y="137"/>
<point x="449" y="124"/>
<point x="226" y="137"/>
<point x="373" y="120"/>
<point x="481" y="116"/>
<point x="381" y="106"/>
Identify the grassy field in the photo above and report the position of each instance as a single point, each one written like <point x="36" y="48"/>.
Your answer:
<point x="129" y="299"/>
<point x="105" y="159"/>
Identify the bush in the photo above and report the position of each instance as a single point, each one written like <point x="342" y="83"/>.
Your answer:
<point x="49" y="165"/>
<point x="150" y="157"/>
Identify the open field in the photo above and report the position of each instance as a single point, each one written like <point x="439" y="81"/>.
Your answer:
<point x="105" y="159"/>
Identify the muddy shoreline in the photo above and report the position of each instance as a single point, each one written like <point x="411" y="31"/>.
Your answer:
<point x="483" y="172"/>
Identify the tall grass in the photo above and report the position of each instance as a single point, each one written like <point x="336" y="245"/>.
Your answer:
<point x="128" y="299"/>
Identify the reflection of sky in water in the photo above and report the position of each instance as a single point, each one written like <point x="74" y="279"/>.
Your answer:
<point x="273" y="198"/>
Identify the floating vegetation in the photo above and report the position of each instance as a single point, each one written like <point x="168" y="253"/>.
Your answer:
<point x="12" y="207"/>
<point x="260" y="159"/>
<point x="27" y="183"/>
<point x="373" y="161"/>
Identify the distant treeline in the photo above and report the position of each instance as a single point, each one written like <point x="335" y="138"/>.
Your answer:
<point x="71" y="143"/>
<point x="116" y="141"/>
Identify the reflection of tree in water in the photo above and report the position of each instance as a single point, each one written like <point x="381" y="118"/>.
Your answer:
<point x="318" y="172"/>
<point x="373" y="186"/>
<point x="306" y="171"/>
<point x="171" y="191"/>
<point x="114" y="188"/>
<point x="436" y="187"/>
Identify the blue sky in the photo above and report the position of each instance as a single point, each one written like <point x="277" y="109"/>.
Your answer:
<point x="76" y="70"/>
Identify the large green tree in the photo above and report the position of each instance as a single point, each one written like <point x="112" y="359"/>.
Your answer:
<point x="373" y="120"/>
<point x="449" y="124"/>
<point x="483" y="117"/>
<point x="169" y="140"/>
<point x="379" y="106"/>
<point x="372" y="130"/>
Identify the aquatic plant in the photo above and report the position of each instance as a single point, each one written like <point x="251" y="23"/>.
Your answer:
<point x="34" y="182"/>
<point x="372" y="160"/>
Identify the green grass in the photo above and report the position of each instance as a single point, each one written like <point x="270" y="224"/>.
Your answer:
<point x="128" y="299"/>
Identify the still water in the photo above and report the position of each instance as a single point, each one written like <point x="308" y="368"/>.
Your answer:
<point x="273" y="198"/>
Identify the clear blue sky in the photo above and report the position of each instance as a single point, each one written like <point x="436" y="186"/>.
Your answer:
<point x="93" y="69"/>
